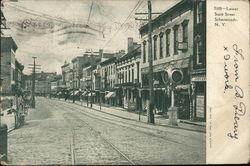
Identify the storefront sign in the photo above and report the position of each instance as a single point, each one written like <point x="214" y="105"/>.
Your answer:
<point x="199" y="78"/>
<point x="200" y="106"/>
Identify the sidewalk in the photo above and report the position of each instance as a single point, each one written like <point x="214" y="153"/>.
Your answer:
<point x="159" y="120"/>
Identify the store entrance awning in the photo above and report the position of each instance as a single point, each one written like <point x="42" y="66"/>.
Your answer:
<point x="93" y="94"/>
<point x="74" y="93"/>
<point x="84" y="93"/>
<point x="110" y="94"/>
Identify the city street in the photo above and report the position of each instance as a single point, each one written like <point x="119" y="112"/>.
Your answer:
<point x="59" y="132"/>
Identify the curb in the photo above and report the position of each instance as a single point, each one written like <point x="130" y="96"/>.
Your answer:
<point x="177" y="127"/>
<point x="186" y="122"/>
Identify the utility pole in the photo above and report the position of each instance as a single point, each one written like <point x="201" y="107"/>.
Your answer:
<point x="150" y="114"/>
<point x="91" y="86"/>
<point x="73" y="72"/>
<point x="33" y="66"/>
<point x="151" y="94"/>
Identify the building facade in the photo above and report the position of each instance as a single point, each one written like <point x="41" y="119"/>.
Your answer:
<point x="66" y="74"/>
<point x="77" y="64"/>
<point x="198" y="73"/>
<point x="8" y="64"/>
<point x="128" y="77"/>
<point x="108" y="80"/>
<point x="172" y="48"/>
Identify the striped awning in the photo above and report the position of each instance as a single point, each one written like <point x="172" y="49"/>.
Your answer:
<point x="84" y="93"/>
<point x="110" y="94"/>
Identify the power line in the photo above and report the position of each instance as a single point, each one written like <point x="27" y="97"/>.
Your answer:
<point x="90" y="11"/>
<point x="136" y="6"/>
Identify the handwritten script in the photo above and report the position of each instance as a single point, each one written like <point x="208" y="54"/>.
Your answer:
<point x="233" y="56"/>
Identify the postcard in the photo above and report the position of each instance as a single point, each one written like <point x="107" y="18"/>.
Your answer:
<point x="124" y="82"/>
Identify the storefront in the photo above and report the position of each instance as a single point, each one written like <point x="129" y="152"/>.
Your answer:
<point x="199" y="97"/>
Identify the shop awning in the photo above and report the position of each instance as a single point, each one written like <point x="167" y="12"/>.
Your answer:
<point x="110" y="94"/>
<point x="74" y="93"/>
<point x="182" y="86"/>
<point x="77" y="92"/>
<point x="93" y="94"/>
<point x="84" y="93"/>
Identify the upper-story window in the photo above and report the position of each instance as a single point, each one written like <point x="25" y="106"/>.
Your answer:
<point x="199" y="12"/>
<point x="168" y="43"/>
<point x="129" y="75"/>
<point x="126" y="77"/>
<point x="199" y="52"/>
<point x="133" y="75"/>
<point x="175" y="39"/>
<point x="155" y="47"/>
<point x="185" y="31"/>
<point x="144" y="52"/>
<point x="161" y="45"/>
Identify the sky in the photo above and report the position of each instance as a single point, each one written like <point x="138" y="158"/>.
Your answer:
<point x="56" y="31"/>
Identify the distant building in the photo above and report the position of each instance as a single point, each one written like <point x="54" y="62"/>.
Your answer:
<point x="66" y="74"/>
<point x="78" y="63"/>
<point x="42" y="82"/>
<point x="108" y="80"/>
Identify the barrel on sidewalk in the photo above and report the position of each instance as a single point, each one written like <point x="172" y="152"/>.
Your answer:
<point x="3" y="142"/>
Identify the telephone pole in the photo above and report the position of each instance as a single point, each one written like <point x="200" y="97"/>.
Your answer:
<point x="33" y="67"/>
<point x="151" y="93"/>
<point x="150" y="113"/>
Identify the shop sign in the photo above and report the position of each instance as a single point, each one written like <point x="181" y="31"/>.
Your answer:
<point x="199" y="79"/>
<point x="200" y="106"/>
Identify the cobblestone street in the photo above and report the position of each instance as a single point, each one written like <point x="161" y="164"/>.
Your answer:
<point x="57" y="132"/>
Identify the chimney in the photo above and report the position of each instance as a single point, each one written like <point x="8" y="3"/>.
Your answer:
<point x="101" y="53"/>
<point x="130" y="44"/>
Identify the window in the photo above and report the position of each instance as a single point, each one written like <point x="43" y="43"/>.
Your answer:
<point x="175" y="39"/>
<point x="199" y="52"/>
<point x="185" y="31"/>
<point x="155" y="47"/>
<point x="144" y="51"/>
<point x="133" y="75"/>
<point x="199" y="12"/>
<point x="161" y="45"/>
<point x="126" y="78"/>
<point x="128" y="75"/>
<point x="168" y="43"/>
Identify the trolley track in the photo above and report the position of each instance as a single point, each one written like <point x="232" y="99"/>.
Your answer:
<point x="93" y="132"/>
<point x="126" y="125"/>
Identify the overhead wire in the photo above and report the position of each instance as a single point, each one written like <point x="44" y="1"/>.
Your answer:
<point x="90" y="12"/>
<point x="136" y="6"/>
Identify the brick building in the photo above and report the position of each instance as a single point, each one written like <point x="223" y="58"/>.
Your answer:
<point x="172" y="48"/>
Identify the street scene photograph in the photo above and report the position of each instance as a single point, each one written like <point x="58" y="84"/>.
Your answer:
<point x="103" y="82"/>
